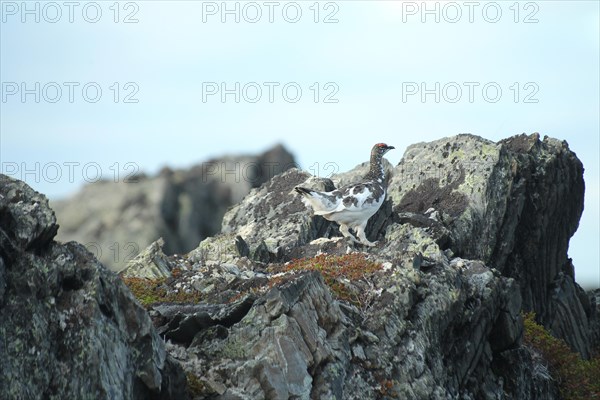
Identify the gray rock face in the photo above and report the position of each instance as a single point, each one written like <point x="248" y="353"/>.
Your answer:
<point x="290" y="339"/>
<point x="275" y="206"/>
<point x="441" y="320"/>
<point x="521" y="198"/>
<point x="69" y="328"/>
<point x="116" y="220"/>
<point x="513" y="204"/>
<point x="451" y="332"/>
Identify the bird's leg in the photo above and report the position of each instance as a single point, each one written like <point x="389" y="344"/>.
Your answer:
<point x="360" y="232"/>
<point x="344" y="230"/>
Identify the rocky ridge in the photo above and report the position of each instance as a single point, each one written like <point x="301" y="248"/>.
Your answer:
<point x="473" y="233"/>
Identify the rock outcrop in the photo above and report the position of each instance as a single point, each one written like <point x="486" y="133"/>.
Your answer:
<point x="473" y="233"/>
<point x="117" y="220"/>
<point x="69" y="328"/>
<point x="452" y="332"/>
<point x="514" y="205"/>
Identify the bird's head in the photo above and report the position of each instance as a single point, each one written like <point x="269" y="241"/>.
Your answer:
<point x="380" y="149"/>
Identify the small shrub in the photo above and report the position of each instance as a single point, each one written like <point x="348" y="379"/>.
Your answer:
<point x="353" y="267"/>
<point x="152" y="291"/>
<point x="147" y="291"/>
<point x="578" y="379"/>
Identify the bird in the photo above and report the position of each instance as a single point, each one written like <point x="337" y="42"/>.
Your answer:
<point x="352" y="205"/>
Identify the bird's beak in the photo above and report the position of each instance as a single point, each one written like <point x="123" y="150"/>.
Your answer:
<point x="390" y="148"/>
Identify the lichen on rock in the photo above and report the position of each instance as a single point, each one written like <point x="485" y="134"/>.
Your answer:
<point x="441" y="318"/>
<point x="279" y="306"/>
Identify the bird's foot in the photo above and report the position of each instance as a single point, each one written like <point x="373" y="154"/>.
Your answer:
<point x="362" y="238"/>
<point x="348" y="235"/>
<point x="370" y="244"/>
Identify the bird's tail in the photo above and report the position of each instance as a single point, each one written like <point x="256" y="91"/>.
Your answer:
<point x="318" y="201"/>
<point x="303" y="191"/>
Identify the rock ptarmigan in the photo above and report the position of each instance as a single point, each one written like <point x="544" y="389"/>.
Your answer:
<point x="352" y="205"/>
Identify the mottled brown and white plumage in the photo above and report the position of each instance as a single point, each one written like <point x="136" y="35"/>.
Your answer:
<point x="352" y="205"/>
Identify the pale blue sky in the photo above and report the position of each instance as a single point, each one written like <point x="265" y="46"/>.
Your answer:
<point x="372" y="56"/>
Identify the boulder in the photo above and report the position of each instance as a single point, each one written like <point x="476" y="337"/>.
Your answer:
<point x="69" y="328"/>
<point x="514" y="205"/>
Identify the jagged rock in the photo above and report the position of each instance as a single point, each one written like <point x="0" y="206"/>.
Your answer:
<point x="183" y="323"/>
<point x="292" y="342"/>
<point x="442" y="319"/>
<point x="152" y="263"/>
<point x="526" y="373"/>
<point x="513" y="204"/>
<point x="503" y="203"/>
<point x="459" y="177"/>
<point x="272" y="205"/>
<point x="69" y="328"/>
<point x="117" y="220"/>
<point x="447" y="333"/>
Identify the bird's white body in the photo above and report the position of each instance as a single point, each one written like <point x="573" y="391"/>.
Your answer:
<point x="351" y="206"/>
<point x="352" y="214"/>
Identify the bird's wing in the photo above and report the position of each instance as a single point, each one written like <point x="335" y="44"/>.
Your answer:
<point x="360" y="196"/>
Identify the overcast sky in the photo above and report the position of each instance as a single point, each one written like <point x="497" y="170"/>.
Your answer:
<point x="109" y="87"/>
